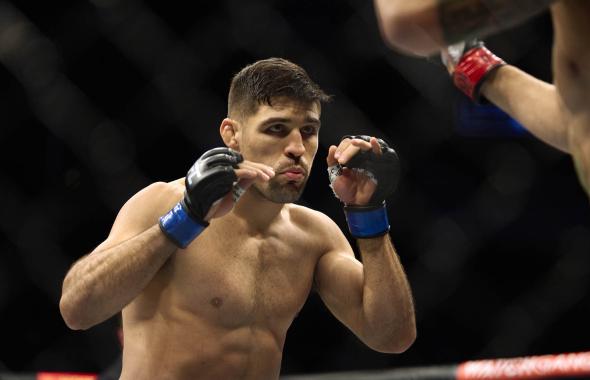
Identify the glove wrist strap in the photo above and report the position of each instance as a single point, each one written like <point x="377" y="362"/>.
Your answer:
<point x="367" y="221"/>
<point x="473" y="69"/>
<point x="180" y="227"/>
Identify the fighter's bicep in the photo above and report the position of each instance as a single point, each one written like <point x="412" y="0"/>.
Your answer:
<point x="339" y="279"/>
<point x="338" y="273"/>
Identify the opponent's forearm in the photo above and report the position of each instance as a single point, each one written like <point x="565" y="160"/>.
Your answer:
<point x="463" y="19"/>
<point x="533" y="103"/>
<point x="423" y="27"/>
<point x="101" y="284"/>
<point x="388" y="308"/>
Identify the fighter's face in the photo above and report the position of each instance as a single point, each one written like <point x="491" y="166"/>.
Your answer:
<point x="285" y="137"/>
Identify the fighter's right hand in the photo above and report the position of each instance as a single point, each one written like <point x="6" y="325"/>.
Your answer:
<point x="470" y="63"/>
<point x="212" y="186"/>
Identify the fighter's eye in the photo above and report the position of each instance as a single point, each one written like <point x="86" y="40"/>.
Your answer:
<point x="309" y="130"/>
<point x="275" y="128"/>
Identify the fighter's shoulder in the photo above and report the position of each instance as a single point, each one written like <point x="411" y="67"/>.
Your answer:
<point x="143" y="210"/>
<point x="162" y="189"/>
<point x="312" y="219"/>
<point x="153" y="200"/>
<point x="157" y="193"/>
<point x="322" y="234"/>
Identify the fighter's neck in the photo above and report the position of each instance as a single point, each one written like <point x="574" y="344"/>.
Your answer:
<point x="257" y="213"/>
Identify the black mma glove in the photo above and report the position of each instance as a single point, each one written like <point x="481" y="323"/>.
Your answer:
<point x="211" y="178"/>
<point x="370" y="220"/>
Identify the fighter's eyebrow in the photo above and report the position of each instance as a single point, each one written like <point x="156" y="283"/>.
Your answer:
<point x="313" y="120"/>
<point x="285" y="120"/>
<point x="273" y="120"/>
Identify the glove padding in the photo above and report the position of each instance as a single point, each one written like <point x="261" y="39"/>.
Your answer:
<point x="471" y="63"/>
<point x="383" y="169"/>
<point x="210" y="178"/>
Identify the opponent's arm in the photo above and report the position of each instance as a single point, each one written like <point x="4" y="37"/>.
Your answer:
<point x="373" y="298"/>
<point x="532" y="102"/>
<point x="141" y="240"/>
<point x="422" y="27"/>
<point x="535" y="104"/>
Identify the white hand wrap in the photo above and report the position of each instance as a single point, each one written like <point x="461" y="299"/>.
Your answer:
<point x="237" y="192"/>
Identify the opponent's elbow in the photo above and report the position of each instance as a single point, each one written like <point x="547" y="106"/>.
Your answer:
<point x="409" y="32"/>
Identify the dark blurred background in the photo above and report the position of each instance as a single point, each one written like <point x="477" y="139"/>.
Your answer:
<point x="100" y="98"/>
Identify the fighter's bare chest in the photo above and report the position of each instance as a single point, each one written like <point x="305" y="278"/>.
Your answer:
<point x="239" y="280"/>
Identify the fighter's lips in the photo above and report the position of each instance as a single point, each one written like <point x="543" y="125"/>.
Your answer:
<point x="294" y="174"/>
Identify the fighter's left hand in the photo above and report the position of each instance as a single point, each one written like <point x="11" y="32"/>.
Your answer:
<point x="353" y="187"/>
<point x="363" y="172"/>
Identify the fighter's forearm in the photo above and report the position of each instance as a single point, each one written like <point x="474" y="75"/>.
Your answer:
<point x="533" y="103"/>
<point x="102" y="283"/>
<point x="387" y="300"/>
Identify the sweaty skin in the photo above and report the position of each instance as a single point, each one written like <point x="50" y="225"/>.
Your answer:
<point x="557" y="113"/>
<point x="220" y="308"/>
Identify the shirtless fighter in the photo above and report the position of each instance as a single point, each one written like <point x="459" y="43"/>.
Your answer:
<point x="558" y="113"/>
<point x="209" y="285"/>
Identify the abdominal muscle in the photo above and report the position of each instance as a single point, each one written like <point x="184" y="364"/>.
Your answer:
<point x="182" y="346"/>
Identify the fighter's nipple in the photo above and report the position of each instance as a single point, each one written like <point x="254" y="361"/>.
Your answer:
<point x="216" y="302"/>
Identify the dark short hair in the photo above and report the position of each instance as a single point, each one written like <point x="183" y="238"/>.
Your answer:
<point x="268" y="79"/>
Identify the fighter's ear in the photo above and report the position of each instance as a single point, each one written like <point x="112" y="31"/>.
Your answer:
<point x="229" y="130"/>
